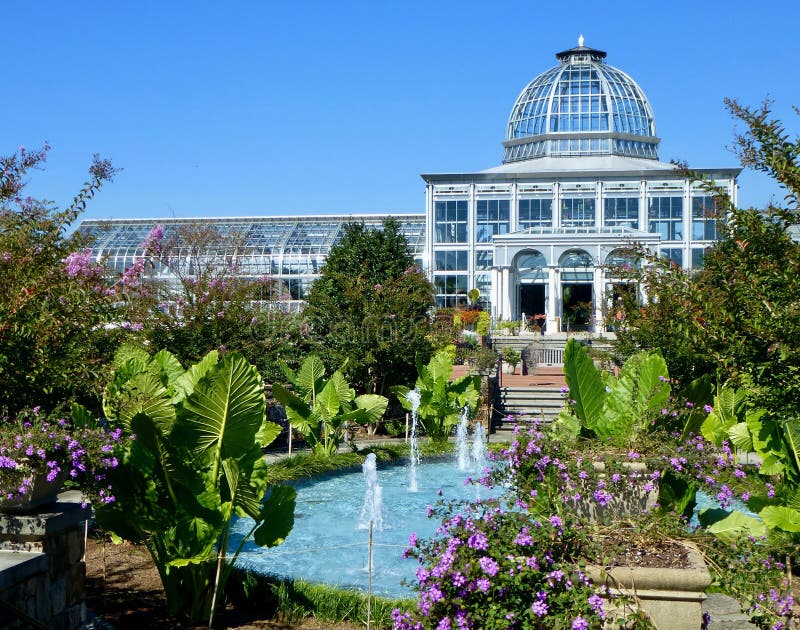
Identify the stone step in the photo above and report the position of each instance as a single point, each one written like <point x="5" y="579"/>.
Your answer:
<point x="539" y="402"/>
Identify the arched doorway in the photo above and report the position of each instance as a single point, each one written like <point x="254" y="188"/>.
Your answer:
<point x="577" y="293"/>
<point x="532" y="275"/>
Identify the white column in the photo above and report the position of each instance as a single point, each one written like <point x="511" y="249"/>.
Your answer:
<point x="552" y="299"/>
<point x="598" y="299"/>
<point x="505" y="284"/>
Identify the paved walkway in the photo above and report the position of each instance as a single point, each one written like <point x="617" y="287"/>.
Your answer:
<point x="725" y="615"/>
<point x="542" y="377"/>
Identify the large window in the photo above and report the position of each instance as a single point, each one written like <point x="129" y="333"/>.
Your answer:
<point x="698" y="257"/>
<point x="484" y="259"/>
<point x="622" y="212"/>
<point x="673" y="254"/>
<point x="534" y="213"/>
<point x="451" y="261"/>
<point x="577" y="212"/>
<point x="493" y="218"/>
<point x="704" y="219"/>
<point x="451" y="289"/>
<point x="665" y="216"/>
<point x="451" y="221"/>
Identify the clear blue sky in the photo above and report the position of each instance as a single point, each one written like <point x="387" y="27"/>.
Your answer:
<point x="268" y="107"/>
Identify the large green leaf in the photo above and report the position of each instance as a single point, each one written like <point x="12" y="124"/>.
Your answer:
<point x="585" y="384"/>
<point x="778" y="517"/>
<point x="278" y="517"/>
<point x="298" y="412"/>
<point x="222" y="416"/>
<point x="167" y="367"/>
<point x="716" y="426"/>
<point x="739" y="435"/>
<point x="791" y="431"/>
<point x="401" y="391"/>
<point x="308" y="377"/>
<point x="328" y="402"/>
<point x="731" y="525"/>
<point x="184" y="384"/>
<point x="142" y="393"/>
<point x="267" y="434"/>
<point x="126" y="352"/>
<point x="373" y="405"/>
<point x="653" y="389"/>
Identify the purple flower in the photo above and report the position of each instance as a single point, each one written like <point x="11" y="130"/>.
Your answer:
<point x="539" y="608"/>
<point x="708" y="408"/>
<point x="579" y="623"/>
<point x="483" y="585"/>
<point x="489" y="566"/>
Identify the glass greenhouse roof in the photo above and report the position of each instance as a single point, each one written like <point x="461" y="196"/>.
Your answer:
<point x="281" y="247"/>
<point x="581" y="107"/>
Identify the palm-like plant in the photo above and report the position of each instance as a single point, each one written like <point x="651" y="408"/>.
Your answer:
<point x="441" y="400"/>
<point x="196" y="461"/>
<point x="321" y="408"/>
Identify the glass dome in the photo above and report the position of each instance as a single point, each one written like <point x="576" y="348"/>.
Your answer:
<point x="581" y="107"/>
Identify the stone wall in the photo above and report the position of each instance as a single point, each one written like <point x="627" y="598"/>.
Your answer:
<point x="42" y="569"/>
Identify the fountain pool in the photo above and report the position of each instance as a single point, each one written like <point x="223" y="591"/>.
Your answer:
<point x="329" y="543"/>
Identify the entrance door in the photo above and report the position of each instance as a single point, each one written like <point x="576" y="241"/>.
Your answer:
<point x="531" y="299"/>
<point x="577" y="306"/>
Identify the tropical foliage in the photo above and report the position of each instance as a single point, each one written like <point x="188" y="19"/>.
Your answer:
<point x="615" y="408"/>
<point x="441" y="400"/>
<point x="321" y="408"/>
<point x="195" y="462"/>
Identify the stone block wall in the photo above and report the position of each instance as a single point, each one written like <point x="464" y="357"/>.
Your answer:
<point x="42" y="572"/>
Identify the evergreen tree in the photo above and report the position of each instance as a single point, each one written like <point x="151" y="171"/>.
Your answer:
<point x="370" y="307"/>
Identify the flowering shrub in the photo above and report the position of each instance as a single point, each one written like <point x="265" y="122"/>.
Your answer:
<point x="491" y="568"/>
<point x="548" y="477"/>
<point x="53" y="306"/>
<point x="519" y="566"/>
<point x="33" y="446"/>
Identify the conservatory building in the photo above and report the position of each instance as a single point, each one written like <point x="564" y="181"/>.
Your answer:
<point x="580" y="182"/>
<point x="539" y="235"/>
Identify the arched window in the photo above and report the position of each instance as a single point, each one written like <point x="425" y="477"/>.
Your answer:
<point x="531" y="265"/>
<point x="576" y="266"/>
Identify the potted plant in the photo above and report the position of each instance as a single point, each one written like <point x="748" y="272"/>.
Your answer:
<point x="511" y="358"/>
<point x="40" y="453"/>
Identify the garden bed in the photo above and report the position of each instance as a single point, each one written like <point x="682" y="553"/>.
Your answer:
<point x="123" y="589"/>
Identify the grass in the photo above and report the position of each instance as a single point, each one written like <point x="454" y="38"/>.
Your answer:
<point x="309" y="465"/>
<point x="292" y="600"/>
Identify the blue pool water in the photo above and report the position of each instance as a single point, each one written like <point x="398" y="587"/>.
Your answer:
<point x="329" y="545"/>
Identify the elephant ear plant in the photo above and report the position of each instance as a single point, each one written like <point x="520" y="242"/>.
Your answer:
<point x="441" y="400"/>
<point x="321" y="409"/>
<point x="617" y="409"/>
<point x="195" y="462"/>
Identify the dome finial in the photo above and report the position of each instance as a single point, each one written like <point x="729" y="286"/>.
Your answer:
<point x="580" y="40"/>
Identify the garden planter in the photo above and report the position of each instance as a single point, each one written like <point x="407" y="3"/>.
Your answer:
<point x="509" y="368"/>
<point x="670" y="597"/>
<point x="41" y="492"/>
<point x="631" y="499"/>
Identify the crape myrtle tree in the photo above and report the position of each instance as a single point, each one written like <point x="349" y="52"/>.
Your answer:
<point x="54" y="303"/>
<point x="187" y="295"/>
<point x="738" y="317"/>
<point x="370" y="308"/>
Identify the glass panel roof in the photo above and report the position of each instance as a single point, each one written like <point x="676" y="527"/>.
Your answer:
<point x="585" y="98"/>
<point x="263" y="246"/>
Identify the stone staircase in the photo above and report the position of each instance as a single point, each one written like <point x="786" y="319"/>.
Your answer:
<point x="529" y="402"/>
